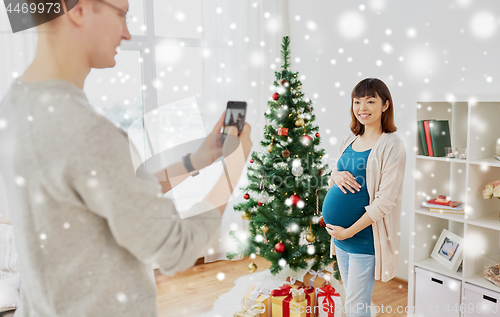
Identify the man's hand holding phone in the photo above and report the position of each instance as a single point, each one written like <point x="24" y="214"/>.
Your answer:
<point x="213" y="147"/>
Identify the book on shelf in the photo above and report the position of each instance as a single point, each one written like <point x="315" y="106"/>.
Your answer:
<point x="440" y="136"/>
<point x="428" y="143"/>
<point x="458" y="208"/>
<point x="444" y="202"/>
<point x="434" y="137"/>
<point x="446" y="211"/>
<point x="422" y="144"/>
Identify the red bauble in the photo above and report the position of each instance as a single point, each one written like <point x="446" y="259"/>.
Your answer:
<point x="276" y="96"/>
<point x="246" y="196"/>
<point x="317" y="134"/>
<point x="251" y="160"/>
<point x="321" y="222"/>
<point x="259" y="203"/>
<point x="279" y="247"/>
<point x="295" y="199"/>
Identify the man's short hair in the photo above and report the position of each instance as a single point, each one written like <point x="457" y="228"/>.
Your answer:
<point x="48" y="10"/>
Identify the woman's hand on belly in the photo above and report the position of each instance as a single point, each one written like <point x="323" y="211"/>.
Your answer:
<point x="344" y="180"/>
<point x="338" y="232"/>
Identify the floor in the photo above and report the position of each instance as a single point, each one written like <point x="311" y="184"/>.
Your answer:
<point x="200" y="287"/>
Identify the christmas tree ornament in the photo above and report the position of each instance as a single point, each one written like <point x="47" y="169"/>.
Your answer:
<point x="310" y="237"/>
<point x="259" y="203"/>
<point x="299" y="122"/>
<point x="320" y="172"/>
<point x="299" y="86"/>
<point x="294" y="199"/>
<point x="264" y="197"/>
<point x="265" y="229"/>
<point x="306" y="140"/>
<point x="280" y="247"/>
<point x="321" y="222"/>
<point x="246" y="196"/>
<point x="297" y="170"/>
<point x="284" y="82"/>
<point x="252" y="267"/>
<point x="283" y="131"/>
<point x="285" y="153"/>
<point x="317" y="134"/>
<point x="276" y="96"/>
<point x="270" y="148"/>
<point x="251" y="160"/>
<point x="245" y="216"/>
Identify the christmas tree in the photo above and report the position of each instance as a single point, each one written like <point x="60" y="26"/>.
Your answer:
<point x="287" y="183"/>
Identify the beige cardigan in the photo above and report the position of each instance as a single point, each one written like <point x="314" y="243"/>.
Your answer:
<point x="385" y="171"/>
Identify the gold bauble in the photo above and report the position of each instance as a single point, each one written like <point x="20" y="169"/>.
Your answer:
<point x="299" y="86"/>
<point x="270" y="148"/>
<point x="265" y="229"/>
<point x="252" y="267"/>
<point x="310" y="237"/>
<point x="245" y="216"/>
<point x="299" y="122"/>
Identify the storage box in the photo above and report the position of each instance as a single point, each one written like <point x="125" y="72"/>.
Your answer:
<point x="480" y="302"/>
<point x="436" y="294"/>
<point x="492" y="269"/>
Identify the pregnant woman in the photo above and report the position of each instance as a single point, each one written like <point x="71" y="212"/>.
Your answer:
<point x="362" y="208"/>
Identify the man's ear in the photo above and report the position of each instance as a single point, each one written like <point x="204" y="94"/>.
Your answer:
<point x="77" y="13"/>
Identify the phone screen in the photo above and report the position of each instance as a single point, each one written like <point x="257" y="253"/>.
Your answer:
<point x="235" y="116"/>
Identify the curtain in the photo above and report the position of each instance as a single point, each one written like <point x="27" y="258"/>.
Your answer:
<point x="241" y="45"/>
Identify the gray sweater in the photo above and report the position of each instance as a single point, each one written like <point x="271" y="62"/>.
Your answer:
<point x="87" y="229"/>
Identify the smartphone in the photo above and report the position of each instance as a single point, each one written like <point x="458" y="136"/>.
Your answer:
<point x="235" y="116"/>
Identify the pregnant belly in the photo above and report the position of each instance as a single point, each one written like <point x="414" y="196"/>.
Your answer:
<point x="343" y="210"/>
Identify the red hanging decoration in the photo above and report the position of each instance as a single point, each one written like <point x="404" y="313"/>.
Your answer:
<point x="295" y="199"/>
<point x="251" y="160"/>
<point x="283" y="131"/>
<point x="321" y="222"/>
<point x="280" y="247"/>
<point x="317" y="134"/>
<point x="317" y="202"/>
<point x="246" y="196"/>
<point x="276" y="96"/>
<point x="259" y="203"/>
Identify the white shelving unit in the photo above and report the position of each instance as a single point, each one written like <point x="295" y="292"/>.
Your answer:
<point x="475" y="126"/>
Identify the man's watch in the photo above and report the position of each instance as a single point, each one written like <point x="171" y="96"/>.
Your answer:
<point x="186" y="159"/>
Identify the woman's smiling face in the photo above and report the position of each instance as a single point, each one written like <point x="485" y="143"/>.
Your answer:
<point x="368" y="110"/>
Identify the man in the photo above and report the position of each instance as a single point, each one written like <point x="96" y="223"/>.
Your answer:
<point x="87" y="229"/>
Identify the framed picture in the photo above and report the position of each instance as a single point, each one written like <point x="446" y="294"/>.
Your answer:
<point x="448" y="250"/>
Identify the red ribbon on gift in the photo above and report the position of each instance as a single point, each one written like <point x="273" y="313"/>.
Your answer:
<point x="328" y="292"/>
<point x="308" y="290"/>
<point x="285" y="290"/>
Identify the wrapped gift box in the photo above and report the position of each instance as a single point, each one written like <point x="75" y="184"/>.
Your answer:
<point x="317" y="279"/>
<point x="329" y="302"/>
<point x="259" y="295"/>
<point x="293" y="282"/>
<point x="288" y="301"/>
<point x="246" y="310"/>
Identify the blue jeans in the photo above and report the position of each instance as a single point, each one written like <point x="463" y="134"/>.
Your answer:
<point x="358" y="275"/>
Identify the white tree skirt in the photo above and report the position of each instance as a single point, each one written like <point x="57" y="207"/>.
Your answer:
<point x="227" y="304"/>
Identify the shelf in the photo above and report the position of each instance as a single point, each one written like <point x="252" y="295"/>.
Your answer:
<point x="452" y="217"/>
<point x="479" y="280"/>
<point x="489" y="221"/>
<point x="489" y="161"/>
<point x="433" y="265"/>
<point x="443" y="159"/>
